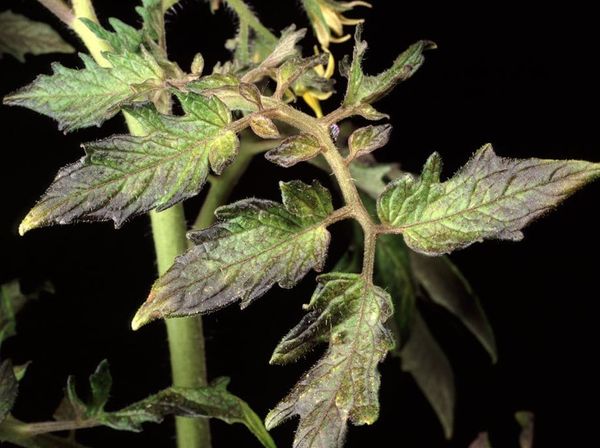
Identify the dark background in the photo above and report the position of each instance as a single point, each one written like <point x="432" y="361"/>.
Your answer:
<point x="522" y="78"/>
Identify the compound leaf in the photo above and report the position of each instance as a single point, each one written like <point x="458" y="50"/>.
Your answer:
<point x="349" y="313"/>
<point x="20" y="36"/>
<point x="124" y="176"/>
<point x="364" y="88"/>
<point x="490" y="197"/>
<point x="255" y="244"/>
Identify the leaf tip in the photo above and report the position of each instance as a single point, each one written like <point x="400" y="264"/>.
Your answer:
<point x="144" y="315"/>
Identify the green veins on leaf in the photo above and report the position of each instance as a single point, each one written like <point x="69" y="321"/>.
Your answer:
<point x="255" y="244"/>
<point x="124" y="176"/>
<point x="490" y="197"/>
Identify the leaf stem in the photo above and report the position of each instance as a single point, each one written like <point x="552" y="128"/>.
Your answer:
<point x="60" y="9"/>
<point x="340" y="170"/>
<point x="247" y="16"/>
<point x="16" y="432"/>
<point x="84" y="9"/>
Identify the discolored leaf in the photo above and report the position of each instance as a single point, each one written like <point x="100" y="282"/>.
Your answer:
<point x="9" y="388"/>
<point x="482" y="441"/>
<point x="447" y="287"/>
<point x="254" y="245"/>
<point x="213" y="401"/>
<point x="423" y="358"/>
<point x="368" y="139"/>
<point x="294" y="149"/>
<point x="285" y="48"/>
<point x="291" y="70"/>
<point x="490" y="197"/>
<point x="124" y="176"/>
<point x="263" y="127"/>
<point x="348" y="312"/>
<point x="78" y="98"/>
<point x="364" y="88"/>
<point x="20" y="36"/>
<point x="210" y="401"/>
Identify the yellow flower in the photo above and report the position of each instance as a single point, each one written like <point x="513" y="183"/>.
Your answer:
<point x="328" y="20"/>
<point x="311" y="94"/>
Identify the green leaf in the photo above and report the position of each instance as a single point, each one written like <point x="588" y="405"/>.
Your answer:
<point x="293" y="150"/>
<point x="12" y="300"/>
<point x="370" y="177"/>
<point x="20" y="36"/>
<point x="124" y="39"/>
<point x="78" y="98"/>
<point x="212" y="401"/>
<point x="490" y="197"/>
<point x="368" y="139"/>
<point x="447" y="287"/>
<point x="348" y="312"/>
<point x="393" y="268"/>
<point x="368" y="89"/>
<point x="124" y="176"/>
<point x="423" y="358"/>
<point x="255" y="244"/>
<point x="9" y="388"/>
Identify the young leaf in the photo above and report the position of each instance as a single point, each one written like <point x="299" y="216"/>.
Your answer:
<point x="89" y="96"/>
<point x="264" y="127"/>
<point x="293" y="150"/>
<point x="368" y="139"/>
<point x="490" y="197"/>
<point x="350" y="313"/>
<point x="370" y="177"/>
<point x="20" y="35"/>
<point x="124" y="176"/>
<point x="9" y="388"/>
<point x="447" y="287"/>
<point x="368" y="89"/>
<point x="423" y="358"/>
<point x="254" y="245"/>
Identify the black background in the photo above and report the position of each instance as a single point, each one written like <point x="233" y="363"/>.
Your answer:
<point x="522" y="78"/>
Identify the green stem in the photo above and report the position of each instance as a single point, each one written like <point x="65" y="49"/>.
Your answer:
<point x="16" y="432"/>
<point x="222" y="186"/>
<point x="186" y="338"/>
<point x="246" y="15"/>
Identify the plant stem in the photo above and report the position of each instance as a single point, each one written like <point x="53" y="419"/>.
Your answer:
<point x="186" y="339"/>
<point x="246" y="15"/>
<point x="60" y="9"/>
<point x="16" y="432"/>
<point x="222" y="186"/>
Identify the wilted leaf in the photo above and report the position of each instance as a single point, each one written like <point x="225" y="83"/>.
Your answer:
<point x="9" y="388"/>
<point x="423" y="358"/>
<point x="294" y="149"/>
<point x="124" y="176"/>
<point x="20" y="36"/>
<point x="368" y="89"/>
<point x="368" y="139"/>
<point x="349" y="313"/>
<point x="79" y="98"/>
<point x="285" y="48"/>
<point x="490" y="197"/>
<point x="291" y="70"/>
<point x="447" y="287"/>
<point x="254" y="245"/>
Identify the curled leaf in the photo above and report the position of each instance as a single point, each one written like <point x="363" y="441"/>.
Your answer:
<point x="293" y="150"/>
